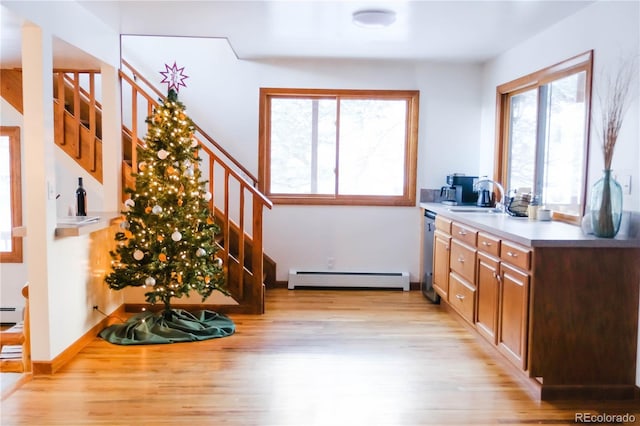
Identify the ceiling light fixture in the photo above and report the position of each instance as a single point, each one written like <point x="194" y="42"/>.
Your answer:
<point x="374" y="18"/>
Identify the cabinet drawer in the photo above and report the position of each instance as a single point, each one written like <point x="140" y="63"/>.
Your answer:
<point x="463" y="260"/>
<point x="443" y="224"/>
<point x="464" y="233"/>
<point x="515" y="255"/>
<point x="488" y="244"/>
<point x="461" y="296"/>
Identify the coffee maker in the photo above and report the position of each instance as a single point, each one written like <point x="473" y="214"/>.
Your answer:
<point x="459" y="190"/>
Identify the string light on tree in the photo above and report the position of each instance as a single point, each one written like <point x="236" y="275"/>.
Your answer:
<point x="170" y="199"/>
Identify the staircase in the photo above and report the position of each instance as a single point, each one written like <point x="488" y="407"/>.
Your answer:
<point x="15" y="354"/>
<point x="237" y="204"/>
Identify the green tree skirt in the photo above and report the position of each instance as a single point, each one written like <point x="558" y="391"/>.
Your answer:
<point x="180" y="326"/>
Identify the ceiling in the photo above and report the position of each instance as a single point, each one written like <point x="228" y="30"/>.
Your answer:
<point x="460" y="31"/>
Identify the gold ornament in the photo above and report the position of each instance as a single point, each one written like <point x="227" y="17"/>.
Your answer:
<point x="160" y="238"/>
<point x="162" y="257"/>
<point x="148" y="210"/>
<point x="180" y="202"/>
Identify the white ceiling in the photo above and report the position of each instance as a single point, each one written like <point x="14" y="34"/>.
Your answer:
<point x="460" y="31"/>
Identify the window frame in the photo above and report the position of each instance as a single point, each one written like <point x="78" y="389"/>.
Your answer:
<point x="408" y="197"/>
<point x="573" y="65"/>
<point x="13" y="133"/>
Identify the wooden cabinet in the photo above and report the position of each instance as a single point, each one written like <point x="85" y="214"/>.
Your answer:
<point x="515" y="255"/>
<point x="443" y="224"/>
<point x="503" y="295"/>
<point x="488" y="292"/>
<point x="488" y="285"/>
<point x="564" y="310"/>
<point x="441" y="243"/>
<point x="441" y="255"/>
<point x="462" y="296"/>
<point x="489" y="243"/>
<point x="462" y="279"/>
<point x="463" y="261"/>
<point x="514" y="314"/>
<point x="464" y="233"/>
<point x="455" y="266"/>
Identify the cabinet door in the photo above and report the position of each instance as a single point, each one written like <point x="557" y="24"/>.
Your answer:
<point x="441" y="243"/>
<point x="514" y="313"/>
<point x="488" y="292"/>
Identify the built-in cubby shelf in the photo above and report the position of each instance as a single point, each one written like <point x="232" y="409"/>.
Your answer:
<point x="67" y="227"/>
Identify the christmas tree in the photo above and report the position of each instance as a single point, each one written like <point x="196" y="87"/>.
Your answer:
<point x="167" y="238"/>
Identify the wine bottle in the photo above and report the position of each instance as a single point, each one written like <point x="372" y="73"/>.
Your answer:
<point x="81" y="199"/>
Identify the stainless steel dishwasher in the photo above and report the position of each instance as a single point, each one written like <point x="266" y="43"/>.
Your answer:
<point x="426" y="284"/>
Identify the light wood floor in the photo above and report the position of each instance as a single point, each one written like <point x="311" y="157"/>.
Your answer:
<point x="316" y="357"/>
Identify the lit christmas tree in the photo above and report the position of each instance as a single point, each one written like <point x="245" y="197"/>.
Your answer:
<point x="167" y="239"/>
<point x="167" y="243"/>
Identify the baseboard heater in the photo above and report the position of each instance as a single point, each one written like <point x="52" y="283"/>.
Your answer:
<point x="348" y="279"/>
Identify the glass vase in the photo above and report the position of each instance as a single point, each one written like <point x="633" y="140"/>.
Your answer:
<point x="606" y="206"/>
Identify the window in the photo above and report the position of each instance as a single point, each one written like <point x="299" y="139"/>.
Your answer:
<point x="10" y="194"/>
<point x="543" y="135"/>
<point x="352" y="147"/>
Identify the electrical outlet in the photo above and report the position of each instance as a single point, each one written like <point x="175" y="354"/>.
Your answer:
<point x="626" y="184"/>
<point x="331" y="262"/>
<point x="51" y="190"/>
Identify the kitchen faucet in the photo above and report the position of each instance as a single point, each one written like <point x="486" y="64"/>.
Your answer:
<point x="499" y="205"/>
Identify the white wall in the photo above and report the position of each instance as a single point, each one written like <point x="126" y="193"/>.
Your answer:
<point x="222" y="97"/>
<point x="71" y="23"/>
<point x="65" y="280"/>
<point x="611" y="29"/>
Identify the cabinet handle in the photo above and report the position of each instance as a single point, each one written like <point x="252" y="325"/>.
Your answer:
<point x="486" y="244"/>
<point x="461" y="259"/>
<point x="459" y="296"/>
<point x="497" y="277"/>
<point x="446" y="248"/>
<point x="512" y="254"/>
<point x="462" y="233"/>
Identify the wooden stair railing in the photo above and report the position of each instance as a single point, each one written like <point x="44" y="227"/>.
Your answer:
<point x="235" y="201"/>
<point x="77" y="114"/>
<point x="78" y="119"/>
<point x="15" y="355"/>
<point x="11" y="87"/>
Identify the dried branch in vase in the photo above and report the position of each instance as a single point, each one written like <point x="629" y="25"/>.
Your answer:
<point x="606" y="195"/>
<point x="615" y="105"/>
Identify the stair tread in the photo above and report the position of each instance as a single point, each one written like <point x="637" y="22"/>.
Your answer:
<point x="11" y="352"/>
<point x="11" y="366"/>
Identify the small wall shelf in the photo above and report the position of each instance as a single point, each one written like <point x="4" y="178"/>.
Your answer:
<point x="66" y="228"/>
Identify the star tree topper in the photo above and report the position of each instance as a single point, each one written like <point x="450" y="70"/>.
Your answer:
<point x="173" y="77"/>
